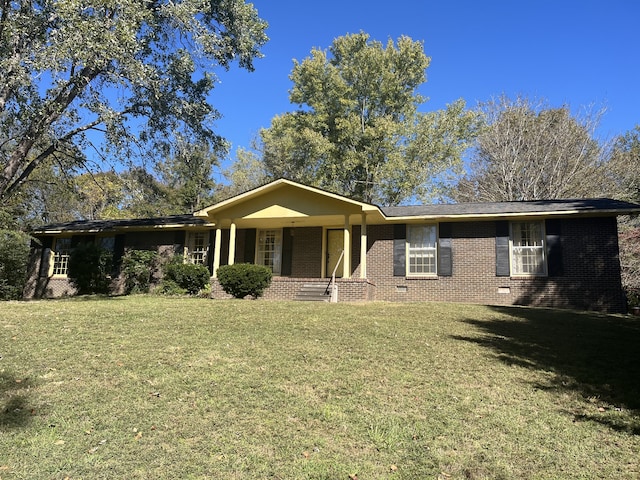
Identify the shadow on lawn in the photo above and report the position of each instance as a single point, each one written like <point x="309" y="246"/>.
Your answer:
<point x="595" y="355"/>
<point x="15" y="411"/>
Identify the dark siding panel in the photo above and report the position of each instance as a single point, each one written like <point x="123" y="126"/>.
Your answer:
<point x="178" y="242"/>
<point x="554" y="247"/>
<point x="399" y="250"/>
<point x="445" y="255"/>
<point x="287" y="252"/>
<point x="224" y="246"/>
<point x="250" y="245"/>
<point x="47" y="243"/>
<point x="503" y="268"/>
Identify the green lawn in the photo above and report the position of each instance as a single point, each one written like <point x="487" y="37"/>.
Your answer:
<point x="148" y="387"/>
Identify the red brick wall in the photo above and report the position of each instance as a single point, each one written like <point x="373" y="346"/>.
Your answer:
<point x="307" y="252"/>
<point x="591" y="278"/>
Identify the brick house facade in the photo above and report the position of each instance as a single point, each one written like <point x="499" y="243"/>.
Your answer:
<point x="545" y="253"/>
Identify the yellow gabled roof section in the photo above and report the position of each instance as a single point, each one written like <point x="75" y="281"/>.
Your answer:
<point x="284" y="199"/>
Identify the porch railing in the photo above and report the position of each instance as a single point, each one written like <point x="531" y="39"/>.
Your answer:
<point x="332" y="288"/>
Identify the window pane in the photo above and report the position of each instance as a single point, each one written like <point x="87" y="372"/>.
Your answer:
<point x="269" y="249"/>
<point x="108" y="243"/>
<point x="61" y="256"/>
<point x="198" y="248"/>
<point x="421" y="246"/>
<point x="528" y="248"/>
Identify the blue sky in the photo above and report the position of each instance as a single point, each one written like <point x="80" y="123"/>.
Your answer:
<point x="567" y="51"/>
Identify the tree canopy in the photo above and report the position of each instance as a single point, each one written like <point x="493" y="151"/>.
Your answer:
<point x="357" y="130"/>
<point x="134" y="72"/>
<point x="528" y="150"/>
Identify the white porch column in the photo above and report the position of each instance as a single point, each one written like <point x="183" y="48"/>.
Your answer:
<point x="232" y="243"/>
<point x="346" y="261"/>
<point x="216" y="251"/>
<point x="363" y="247"/>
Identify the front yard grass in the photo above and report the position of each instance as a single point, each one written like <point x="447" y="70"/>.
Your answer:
<point x="148" y="387"/>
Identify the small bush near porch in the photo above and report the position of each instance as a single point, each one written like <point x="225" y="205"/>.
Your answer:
<point x="147" y="387"/>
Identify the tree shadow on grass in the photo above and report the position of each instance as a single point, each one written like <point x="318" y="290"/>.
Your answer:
<point x="597" y="356"/>
<point x="15" y="409"/>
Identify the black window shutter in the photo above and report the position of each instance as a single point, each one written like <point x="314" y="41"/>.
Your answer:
<point x="178" y="242"/>
<point x="225" y="235"/>
<point x="118" y="252"/>
<point x="287" y="252"/>
<point x="250" y="245"/>
<point x="554" y="247"/>
<point x="399" y="250"/>
<point x="47" y="243"/>
<point x="502" y="249"/>
<point x="445" y="256"/>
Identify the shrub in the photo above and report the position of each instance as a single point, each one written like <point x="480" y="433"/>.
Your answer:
<point x="242" y="279"/>
<point x="169" y="287"/>
<point x="14" y="258"/>
<point x="137" y="268"/>
<point x="188" y="276"/>
<point x="90" y="268"/>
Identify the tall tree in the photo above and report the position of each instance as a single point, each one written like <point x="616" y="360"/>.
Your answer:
<point x="130" y="70"/>
<point x="357" y="130"/>
<point x="528" y="151"/>
<point x="624" y="166"/>
<point x="624" y="175"/>
<point x="189" y="175"/>
<point x="245" y="173"/>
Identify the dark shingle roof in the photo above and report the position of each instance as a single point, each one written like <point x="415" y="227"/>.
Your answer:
<point x="107" y="225"/>
<point x="600" y="206"/>
<point x="596" y="205"/>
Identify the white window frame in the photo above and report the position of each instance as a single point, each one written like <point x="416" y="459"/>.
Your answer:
<point x="60" y="257"/>
<point x="526" y="248"/>
<point x="425" y="251"/>
<point x="197" y="247"/>
<point x="269" y="253"/>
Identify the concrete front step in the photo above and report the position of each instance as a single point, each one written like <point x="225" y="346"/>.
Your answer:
<point x="313" y="293"/>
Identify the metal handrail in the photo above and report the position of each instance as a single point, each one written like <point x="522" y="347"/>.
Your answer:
<point x="332" y="282"/>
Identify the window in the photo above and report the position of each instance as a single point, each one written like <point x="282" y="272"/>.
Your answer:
<point x="527" y="248"/>
<point x="269" y="249"/>
<point x="197" y="247"/>
<point x="421" y="250"/>
<point x="106" y="243"/>
<point x="61" y="250"/>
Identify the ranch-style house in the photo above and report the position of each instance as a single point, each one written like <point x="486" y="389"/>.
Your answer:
<point x="553" y="253"/>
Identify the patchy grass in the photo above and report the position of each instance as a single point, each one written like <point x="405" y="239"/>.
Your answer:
<point x="149" y="387"/>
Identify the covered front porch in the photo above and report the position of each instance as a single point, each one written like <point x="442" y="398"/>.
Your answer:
<point x="305" y="235"/>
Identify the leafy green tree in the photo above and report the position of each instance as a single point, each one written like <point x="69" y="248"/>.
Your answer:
<point x="14" y="259"/>
<point x="136" y="72"/>
<point x="188" y="175"/>
<point x="528" y="150"/>
<point x="246" y="173"/>
<point x="357" y="130"/>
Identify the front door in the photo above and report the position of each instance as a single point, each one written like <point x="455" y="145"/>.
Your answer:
<point x="335" y="245"/>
